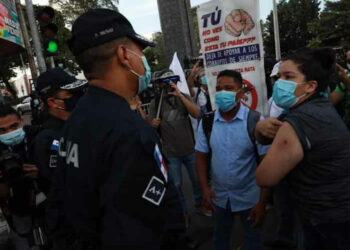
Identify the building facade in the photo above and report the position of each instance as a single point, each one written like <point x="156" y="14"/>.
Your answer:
<point x="178" y="29"/>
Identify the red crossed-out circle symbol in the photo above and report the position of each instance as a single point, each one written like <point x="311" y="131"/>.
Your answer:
<point x="252" y="93"/>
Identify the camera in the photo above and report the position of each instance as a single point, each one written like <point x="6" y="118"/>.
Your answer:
<point x="194" y="60"/>
<point x="165" y="82"/>
<point x="23" y="199"/>
<point x="11" y="167"/>
<point x="340" y="56"/>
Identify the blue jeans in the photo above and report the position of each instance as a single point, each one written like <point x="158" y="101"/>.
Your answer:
<point x="175" y="173"/>
<point x="223" y="222"/>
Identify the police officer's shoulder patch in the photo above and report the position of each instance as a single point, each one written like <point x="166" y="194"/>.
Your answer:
<point x="55" y="145"/>
<point x="155" y="191"/>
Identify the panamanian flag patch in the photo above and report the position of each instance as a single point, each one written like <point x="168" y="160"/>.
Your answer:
<point x="55" y="145"/>
<point x="160" y="161"/>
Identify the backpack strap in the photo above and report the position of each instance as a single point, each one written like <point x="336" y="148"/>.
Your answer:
<point x="197" y="95"/>
<point x="207" y="124"/>
<point x="252" y="121"/>
<point x="209" y="107"/>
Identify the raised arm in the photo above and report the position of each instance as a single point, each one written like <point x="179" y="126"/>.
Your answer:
<point x="283" y="156"/>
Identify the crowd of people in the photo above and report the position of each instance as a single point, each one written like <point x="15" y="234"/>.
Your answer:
<point x="101" y="173"/>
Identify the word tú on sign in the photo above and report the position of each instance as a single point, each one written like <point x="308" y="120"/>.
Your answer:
<point x="214" y="18"/>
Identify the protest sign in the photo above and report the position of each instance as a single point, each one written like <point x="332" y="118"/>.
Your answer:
<point x="230" y="36"/>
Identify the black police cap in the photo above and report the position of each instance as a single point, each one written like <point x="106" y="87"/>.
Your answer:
<point x="99" y="26"/>
<point x="57" y="79"/>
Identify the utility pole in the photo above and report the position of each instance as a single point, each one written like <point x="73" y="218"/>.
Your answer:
<point x="31" y="60"/>
<point x="52" y="62"/>
<point x="35" y="36"/>
<point x="277" y="31"/>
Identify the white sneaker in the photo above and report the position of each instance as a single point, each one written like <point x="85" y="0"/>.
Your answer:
<point x="203" y="211"/>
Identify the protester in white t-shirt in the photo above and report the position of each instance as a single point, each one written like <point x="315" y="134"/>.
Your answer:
<point x="274" y="110"/>
<point x="199" y="94"/>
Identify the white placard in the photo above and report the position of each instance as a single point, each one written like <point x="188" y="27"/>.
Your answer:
<point x="230" y="35"/>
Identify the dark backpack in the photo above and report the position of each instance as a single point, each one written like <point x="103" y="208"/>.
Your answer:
<point x="252" y="121"/>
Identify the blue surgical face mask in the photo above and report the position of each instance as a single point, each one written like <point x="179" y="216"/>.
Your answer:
<point x="283" y="94"/>
<point x="13" y="138"/>
<point x="145" y="79"/>
<point x="36" y="102"/>
<point x="348" y="65"/>
<point x="225" y="100"/>
<point x="204" y="80"/>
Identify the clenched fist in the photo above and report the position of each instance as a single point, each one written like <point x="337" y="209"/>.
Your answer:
<point x="239" y="21"/>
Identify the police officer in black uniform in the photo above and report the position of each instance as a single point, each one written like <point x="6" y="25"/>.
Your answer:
<point x="115" y="190"/>
<point x="60" y="92"/>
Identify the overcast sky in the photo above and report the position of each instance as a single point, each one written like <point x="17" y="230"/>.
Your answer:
<point x="143" y="14"/>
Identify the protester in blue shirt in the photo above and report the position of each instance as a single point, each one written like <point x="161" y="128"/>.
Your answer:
<point x="233" y="188"/>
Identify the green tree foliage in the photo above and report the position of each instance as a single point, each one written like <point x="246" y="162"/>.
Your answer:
<point x="155" y="56"/>
<point x="8" y="65"/>
<point x="294" y="17"/>
<point x="7" y="72"/>
<point x="332" y="28"/>
<point x="63" y="35"/>
<point x="71" y="9"/>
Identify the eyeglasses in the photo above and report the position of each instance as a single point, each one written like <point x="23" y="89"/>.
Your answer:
<point x="173" y="79"/>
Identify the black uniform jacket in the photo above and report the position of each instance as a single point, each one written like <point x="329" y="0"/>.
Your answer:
<point x="113" y="184"/>
<point x="45" y="153"/>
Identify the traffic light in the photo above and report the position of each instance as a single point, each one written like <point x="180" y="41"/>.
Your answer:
<point x="48" y="30"/>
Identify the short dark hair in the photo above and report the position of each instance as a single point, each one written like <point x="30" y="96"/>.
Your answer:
<point x="94" y="62"/>
<point x="237" y="77"/>
<point x="6" y="110"/>
<point x="317" y="65"/>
